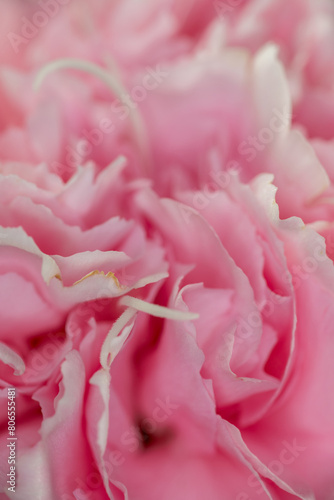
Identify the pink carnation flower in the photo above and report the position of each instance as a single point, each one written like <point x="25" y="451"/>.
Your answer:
<point x="166" y="250"/>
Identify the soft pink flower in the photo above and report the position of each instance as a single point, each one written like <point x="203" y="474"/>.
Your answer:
<point x="166" y="249"/>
